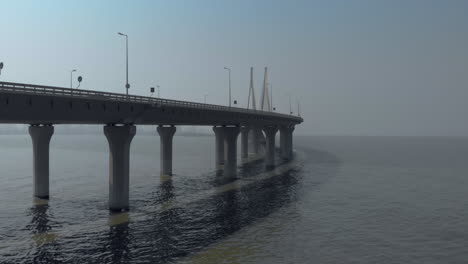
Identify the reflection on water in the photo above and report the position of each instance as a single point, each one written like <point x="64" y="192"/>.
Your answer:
<point x="173" y="232"/>
<point x="118" y="242"/>
<point x="178" y="218"/>
<point x="365" y="200"/>
<point x="46" y="250"/>
<point x="176" y="232"/>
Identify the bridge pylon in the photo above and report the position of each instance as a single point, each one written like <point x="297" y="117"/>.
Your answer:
<point x="251" y="92"/>
<point x="265" y="104"/>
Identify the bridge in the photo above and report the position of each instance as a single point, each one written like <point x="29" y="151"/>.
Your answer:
<point x="42" y="107"/>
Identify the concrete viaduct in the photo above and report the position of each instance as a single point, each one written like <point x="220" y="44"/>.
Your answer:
<point x="43" y="106"/>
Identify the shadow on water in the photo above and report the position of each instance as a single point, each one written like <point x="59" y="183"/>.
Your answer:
<point x="178" y="230"/>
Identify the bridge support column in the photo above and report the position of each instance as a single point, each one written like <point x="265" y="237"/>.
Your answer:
<point x="230" y="143"/>
<point x="255" y="140"/>
<point x="41" y="136"/>
<point x="283" y="131"/>
<point x="289" y="144"/>
<point x="245" y="142"/>
<point x="286" y="141"/>
<point x="219" y="148"/>
<point x="166" y="134"/>
<point x="119" y="139"/>
<point x="270" y="132"/>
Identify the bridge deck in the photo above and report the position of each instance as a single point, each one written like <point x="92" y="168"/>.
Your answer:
<point x="29" y="103"/>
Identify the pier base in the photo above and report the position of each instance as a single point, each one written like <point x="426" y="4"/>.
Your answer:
<point x="41" y="135"/>
<point x="119" y="138"/>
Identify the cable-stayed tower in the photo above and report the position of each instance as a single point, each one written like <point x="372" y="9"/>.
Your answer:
<point x="265" y="100"/>
<point x="251" y="92"/>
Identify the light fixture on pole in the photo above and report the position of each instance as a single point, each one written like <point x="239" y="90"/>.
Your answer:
<point x="71" y="78"/>
<point x="1" y="67"/>
<point x="79" y="81"/>
<point x="127" y="85"/>
<point x="228" y="69"/>
<point x="158" y="90"/>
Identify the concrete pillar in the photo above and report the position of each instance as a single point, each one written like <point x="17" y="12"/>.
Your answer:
<point x="254" y="140"/>
<point x="40" y="136"/>
<point x="289" y="142"/>
<point x="166" y="134"/>
<point x="286" y="141"/>
<point x="219" y="148"/>
<point x="270" y="132"/>
<point x="119" y="138"/>
<point x="245" y="142"/>
<point x="230" y="143"/>
<point x="283" y="141"/>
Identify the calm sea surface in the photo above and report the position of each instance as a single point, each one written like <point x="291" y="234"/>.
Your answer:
<point x="342" y="200"/>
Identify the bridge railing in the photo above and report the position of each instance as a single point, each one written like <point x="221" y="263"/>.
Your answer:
<point x="89" y="94"/>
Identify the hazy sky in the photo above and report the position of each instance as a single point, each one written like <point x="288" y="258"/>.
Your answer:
<point x="357" y="67"/>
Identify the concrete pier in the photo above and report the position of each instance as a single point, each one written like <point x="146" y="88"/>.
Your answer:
<point x="245" y="142"/>
<point x="286" y="141"/>
<point x="119" y="138"/>
<point x="283" y="132"/>
<point x="166" y="134"/>
<point x="219" y="148"/>
<point x="230" y="143"/>
<point x="254" y="140"/>
<point x="270" y="132"/>
<point x="41" y="135"/>
<point x="289" y="140"/>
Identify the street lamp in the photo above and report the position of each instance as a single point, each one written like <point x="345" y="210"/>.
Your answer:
<point x="71" y="78"/>
<point x="298" y="108"/>
<point x="290" y="109"/>
<point x="1" y="67"/>
<point x="127" y="85"/>
<point x="152" y="90"/>
<point x="226" y="68"/>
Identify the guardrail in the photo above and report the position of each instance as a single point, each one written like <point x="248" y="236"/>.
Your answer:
<point x="79" y="93"/>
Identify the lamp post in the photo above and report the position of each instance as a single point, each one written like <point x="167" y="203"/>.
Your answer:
<point x="71" y="78"/>
<point x="229" y="70"/>
<point x="158" y="89"/>
<point x="290" y="109"/>
<point x="127" y="85"/>
<point x="298" y="108"/>
<point x="1" y="67"/>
